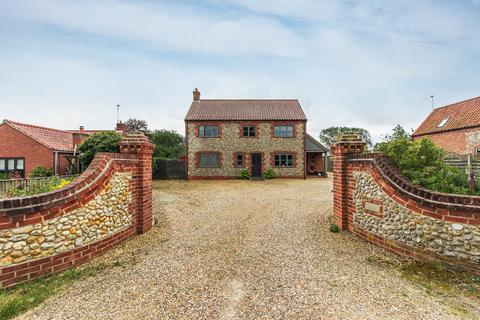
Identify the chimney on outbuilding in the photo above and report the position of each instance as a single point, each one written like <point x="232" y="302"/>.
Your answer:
<point x="78" y="137"/>
<point x="121" y="128"/>
<point x="196" y="95"/>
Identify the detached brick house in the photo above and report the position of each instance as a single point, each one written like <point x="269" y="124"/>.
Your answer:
<point x="226" y="136"/>
<point x="25" y="146"/>
<point x="455" y="127"/>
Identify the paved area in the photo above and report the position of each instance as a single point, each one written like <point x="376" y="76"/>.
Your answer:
<point x="244" y="250"/>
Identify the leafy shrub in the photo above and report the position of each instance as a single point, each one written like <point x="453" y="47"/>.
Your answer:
<point x="269" y="174"/>
<point x="37" y="187"/>
<point x="244" y="175"/>
<point x="334" y="228"/>
<point x="107" y="141"/>
<point x="422" y="162"/>
<point x="4" y="176"/>
<point x="40" y="171"/>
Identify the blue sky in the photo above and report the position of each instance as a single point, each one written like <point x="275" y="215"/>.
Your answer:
<point x="367" y="63"/>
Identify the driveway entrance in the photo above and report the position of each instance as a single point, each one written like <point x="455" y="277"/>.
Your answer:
<point x="245" y="250"/>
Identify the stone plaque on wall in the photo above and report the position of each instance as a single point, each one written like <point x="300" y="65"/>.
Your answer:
<point x="373" y="207"/>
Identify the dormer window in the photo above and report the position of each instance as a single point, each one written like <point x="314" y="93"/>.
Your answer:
<point x="443" y="123"/>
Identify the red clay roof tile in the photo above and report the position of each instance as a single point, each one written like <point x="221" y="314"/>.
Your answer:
<point x="233" y="109"/>
<point x="58" y="140"/>
<point x="460" y="115"/>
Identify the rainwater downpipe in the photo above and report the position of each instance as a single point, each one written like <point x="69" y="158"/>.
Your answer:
<point x="56" y="163"/>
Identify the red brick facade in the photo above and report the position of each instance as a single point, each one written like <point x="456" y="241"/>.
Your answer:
<point x="455" y="141"/>
<point x="134" y="158"/>
<point x="15" y="144"/>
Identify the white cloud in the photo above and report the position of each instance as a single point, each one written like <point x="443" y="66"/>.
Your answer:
<point x="349" y="64"/>
<point x="163" y="26"/>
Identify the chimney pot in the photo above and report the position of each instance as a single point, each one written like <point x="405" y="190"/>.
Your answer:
<point x="196" y="95"/>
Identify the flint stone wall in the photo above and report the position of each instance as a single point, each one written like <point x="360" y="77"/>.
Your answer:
<point x="373" y="200"/>
<point x="103" y="216"/>
<point x="400" y="224"/>
<point x="52" y="232"/>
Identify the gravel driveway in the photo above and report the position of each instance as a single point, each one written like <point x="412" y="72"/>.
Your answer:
<point x="244" y="250"/>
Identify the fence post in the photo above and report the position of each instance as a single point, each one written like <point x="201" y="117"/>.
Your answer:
<point x="346" y="144"/>
<point x="137" y="144"/>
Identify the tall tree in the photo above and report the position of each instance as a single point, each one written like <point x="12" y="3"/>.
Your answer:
<point x="168" y="144"/>
<point x="137" y="125"/>
<point x="329" y="135"/>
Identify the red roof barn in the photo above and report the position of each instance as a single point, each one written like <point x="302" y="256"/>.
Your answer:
<point x="455" y="127"/>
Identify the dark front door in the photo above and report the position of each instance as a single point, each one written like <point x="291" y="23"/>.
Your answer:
<point x="256" y="165"/>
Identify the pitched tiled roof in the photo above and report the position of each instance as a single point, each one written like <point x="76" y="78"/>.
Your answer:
<point x="225" y="110"/>
<point x="58" y="140"/>
<point x="312" y="145"/>
<point x="460" y="115"/>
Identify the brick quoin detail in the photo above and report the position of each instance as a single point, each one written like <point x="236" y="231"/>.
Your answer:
<point x="135" y="157"/>
<point x="455" y="211"/>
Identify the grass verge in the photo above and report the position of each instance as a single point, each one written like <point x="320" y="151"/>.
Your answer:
<point x="28" y="295"/>
<point x="460" y="290"/>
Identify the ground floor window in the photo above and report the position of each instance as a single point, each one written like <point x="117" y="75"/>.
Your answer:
<point x="284" y="160"/>
<point x="208" y="160"/>
<point x="240" y="161"/>
<point x="12" y="165"/>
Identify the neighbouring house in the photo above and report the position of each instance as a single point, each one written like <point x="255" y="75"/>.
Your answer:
<point x="226" y="136"/>
<point x="455" y="127"/>
<point x="26" y="146"/>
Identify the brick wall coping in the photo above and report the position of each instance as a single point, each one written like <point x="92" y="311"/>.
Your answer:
<point x="390" y="172"/>
<point x="100" y="166"/>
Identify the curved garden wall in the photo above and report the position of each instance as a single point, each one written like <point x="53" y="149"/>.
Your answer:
<point x="373" y="200"/>
<point x="52" y="232"/>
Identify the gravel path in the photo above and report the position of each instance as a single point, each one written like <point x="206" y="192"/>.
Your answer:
<point x="244" y="250"/>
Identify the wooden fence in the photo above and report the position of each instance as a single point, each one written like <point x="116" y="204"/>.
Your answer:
<point x="28" y="183"/>
<point x="169" y="169"/>
<point x="463" y="162"/>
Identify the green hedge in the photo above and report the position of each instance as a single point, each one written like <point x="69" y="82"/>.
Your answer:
<point x="423" y="163"/>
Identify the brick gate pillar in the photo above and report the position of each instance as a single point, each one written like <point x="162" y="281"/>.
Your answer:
<point x="138" y="145"/>
<point x="346" y="144"/>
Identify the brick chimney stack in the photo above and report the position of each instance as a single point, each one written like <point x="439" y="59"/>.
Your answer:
<point x="196" y="95"/>
<point x="82" y="129"/>
<point x="122" y="128"/>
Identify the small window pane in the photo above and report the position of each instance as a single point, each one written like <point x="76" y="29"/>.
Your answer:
<point x="19" y="164"/>
<point x="11" y="164"/>
<point x="2" y="164"/>
<point x="208" y="131"/>
<point x="208" y="161"/>
<point x="283" y="131"/>
<point x="283" y="160"/>
<point x="443" y="122"/>
<point x="240" y="160"/>
<point x="249" y="131"/>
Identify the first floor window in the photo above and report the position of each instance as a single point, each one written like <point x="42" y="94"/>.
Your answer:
<point x="283" y="131"/>
<point x="10" y="165"/>
<point x="208" y="131"/>
<point x="208" y="160"/>
<point x="284" y="160"/>
<point x="240" y="159"/>
<point x="477" y="150"/>
<point x="249" y="131"/>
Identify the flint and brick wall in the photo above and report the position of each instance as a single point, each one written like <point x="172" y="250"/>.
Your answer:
<point x="49" y="233"/>
<point x="375" y="201"/>
<point x="230" y="142"/>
